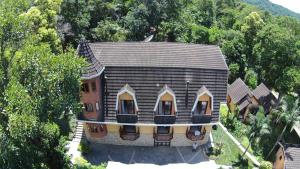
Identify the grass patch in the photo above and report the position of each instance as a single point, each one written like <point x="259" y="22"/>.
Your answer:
<point x="230" y="153"/>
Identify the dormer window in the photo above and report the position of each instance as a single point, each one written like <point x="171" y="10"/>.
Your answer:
<point x="165" y="107"/>
<point x="166" y="102"/>
<point x="126" y="101"/>
<point x="201" y="107"/>
<point x="127" y="107"/>
<point x="203" y="103"/>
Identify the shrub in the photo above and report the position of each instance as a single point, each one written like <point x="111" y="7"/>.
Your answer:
<point x="84" y="148"/>
<point x="265" y="165"/>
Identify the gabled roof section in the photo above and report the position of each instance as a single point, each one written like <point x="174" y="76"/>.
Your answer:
<point x="162" y="92"/>
<point x="94" y="67"/>
<point x="261" y="91"/>
<point x="159" y="54"/>
<point x="292" y="156"/>
<point x="203" y="90"/>
<point x="238" y="90"/>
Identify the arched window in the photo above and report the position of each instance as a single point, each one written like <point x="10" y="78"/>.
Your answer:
<point x="166" y="102"/>
<point x="126" y="102"/>
<point x="203" y="103"/>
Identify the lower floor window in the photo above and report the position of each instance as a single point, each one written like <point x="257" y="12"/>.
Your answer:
<point x="163" y="129"/>
<point x="129" y="129"/>
<point x="93" y="129"/>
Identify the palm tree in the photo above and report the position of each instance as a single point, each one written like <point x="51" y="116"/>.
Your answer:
<point x="288" y="113"/>
<point x="259" y="127"/>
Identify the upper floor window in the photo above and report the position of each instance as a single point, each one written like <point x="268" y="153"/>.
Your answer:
<point x="126" y="101"/>
<point x="201" y="107"/>
<point x="94" y="86"/>
<point x="85" y="87"/>
<point x="203" y="102"/>
<point x="166" y="102"/>
<point x="88" y="107"/>
<point x="165" y="107"/>
<point x="127" y="107"/>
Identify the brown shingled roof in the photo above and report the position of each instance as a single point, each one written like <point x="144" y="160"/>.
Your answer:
<point x="238" y="90"/>
<point x="264" y="96"/>
<point x="261" y="91"/>
<point x="94" y="67"/>
<point x="292" y="157"/>
<point x="159" y="54"/>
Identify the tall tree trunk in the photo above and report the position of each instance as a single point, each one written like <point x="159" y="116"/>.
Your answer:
<point x="279" y="138"/>
<point x="250" y="139"/>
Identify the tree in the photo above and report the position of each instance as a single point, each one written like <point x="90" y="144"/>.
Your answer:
<point x="108" y="31"/>
<point x="288" y="113"/>
<point x="39" y="89"/>
<point x="253" y="23"/>
<point x="259" y="128"/>
<point x="277" y="52"/>
<point x="251" y="79"/>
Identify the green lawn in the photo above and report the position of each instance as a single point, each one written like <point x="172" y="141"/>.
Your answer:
<point x="230" y="152"/>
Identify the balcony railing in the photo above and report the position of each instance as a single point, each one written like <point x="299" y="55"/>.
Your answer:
<point x="201" y="118"/>
<point x="191" y="135"/>
<point x="164" y="119"/>
<point x="127" y="118"/>
<point x="163" y="137"/>
<point x="129" y="136"/>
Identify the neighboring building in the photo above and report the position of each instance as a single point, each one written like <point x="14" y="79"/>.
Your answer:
<point x="239" y="97"/>
<point x="287" y="157"/>
<point x="151" y="93"/>
<point x="264" y="97"/>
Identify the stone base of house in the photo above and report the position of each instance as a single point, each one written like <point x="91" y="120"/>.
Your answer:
<point x="145" y="138"/>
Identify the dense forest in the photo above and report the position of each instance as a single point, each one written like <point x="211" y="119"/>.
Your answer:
<point x="258" y="46"/>
<point x="40" y="72"/>
<point x="273" y="8"/>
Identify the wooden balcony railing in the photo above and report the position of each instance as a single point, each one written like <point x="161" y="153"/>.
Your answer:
<point x="163" y="137"/>
<point x="127" y="118"/>
<point x="191" y="135"/>
<point x="129" y="136"/>
<point x="164" y="119"/>
<point x="201" y="118"/>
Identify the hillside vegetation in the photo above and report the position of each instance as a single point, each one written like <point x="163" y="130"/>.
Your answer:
<point x="273" y="8"/>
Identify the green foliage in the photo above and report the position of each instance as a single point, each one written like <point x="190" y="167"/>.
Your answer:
<point x="81" y="163"/>
<point x="39" y="89"/>
<point x="273" y="8"/>
<point x="251" y="79"/>
<point x="84" y="148"/>
<point x="265" y="165"/>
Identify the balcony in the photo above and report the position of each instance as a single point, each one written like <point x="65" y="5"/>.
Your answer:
<point x="191" y="135"/>
<point x="127" y="118"/>
<point x="129" y="136"/>
<point x="164" y="119"/>
<point x="201" y="118"/>
<point x="163" y="137"/>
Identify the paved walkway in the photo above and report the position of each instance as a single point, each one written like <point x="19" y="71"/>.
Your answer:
<point x="136" y="157"/>
<point x="204" y="165"/>
<point x="151" y="155"/>
<point x="73" y="145"/>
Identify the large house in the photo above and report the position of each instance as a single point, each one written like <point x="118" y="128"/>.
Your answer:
<point x="151" y="93"/>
